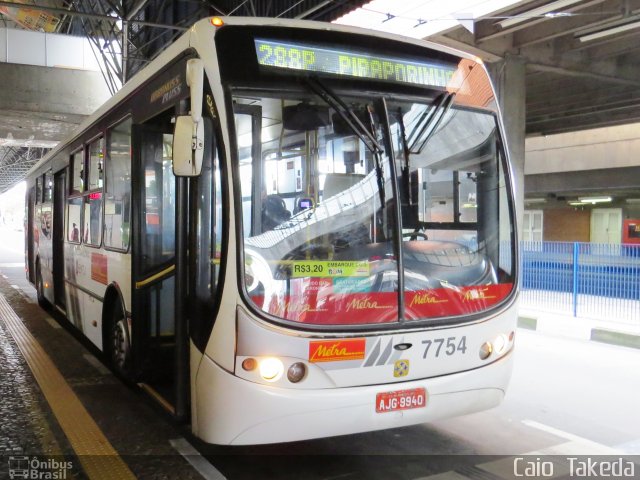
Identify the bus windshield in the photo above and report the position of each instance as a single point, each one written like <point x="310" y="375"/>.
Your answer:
<point x="371" y="209"/>
<point x="374" y="186"/>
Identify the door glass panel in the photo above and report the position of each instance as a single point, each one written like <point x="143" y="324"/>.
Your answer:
<point x="159" y="202"/>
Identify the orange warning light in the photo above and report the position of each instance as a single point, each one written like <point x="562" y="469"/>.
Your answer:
<point x="217" y="22"/>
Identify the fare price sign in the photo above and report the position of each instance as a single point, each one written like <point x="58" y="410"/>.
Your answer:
<point x="351" y="63"/>
<point x="329" y="268"/>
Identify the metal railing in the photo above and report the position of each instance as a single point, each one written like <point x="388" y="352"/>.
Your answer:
<point x="600" y="281"/>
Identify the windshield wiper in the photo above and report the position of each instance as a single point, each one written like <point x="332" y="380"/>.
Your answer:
<point x="346" y="113"/>
<point x="430" y="119"/>
<point x="350" y="118"/>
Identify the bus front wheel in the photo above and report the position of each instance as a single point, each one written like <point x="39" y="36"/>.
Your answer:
<point x="119" y="343"/>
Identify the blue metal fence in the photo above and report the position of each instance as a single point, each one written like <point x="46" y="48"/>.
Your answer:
<point x="583" y="279"/>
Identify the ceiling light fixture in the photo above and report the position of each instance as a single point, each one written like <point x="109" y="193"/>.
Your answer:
<point x="535" y="200"/>
<point x="536" y="12"/>
<point x="609" y="31"/>
<point x="594" y="200"/>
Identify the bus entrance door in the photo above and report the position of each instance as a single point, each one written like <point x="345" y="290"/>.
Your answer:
<point x="153" y="325"/>
<point x="58" y="239"/>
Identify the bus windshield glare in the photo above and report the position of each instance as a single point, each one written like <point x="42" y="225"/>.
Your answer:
<point x="371" y="209"/>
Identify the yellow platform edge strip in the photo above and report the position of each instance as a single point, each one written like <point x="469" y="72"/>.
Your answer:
<point x="98" y="457"/>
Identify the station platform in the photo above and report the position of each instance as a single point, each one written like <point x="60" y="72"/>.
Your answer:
<point x="65" y="415"/>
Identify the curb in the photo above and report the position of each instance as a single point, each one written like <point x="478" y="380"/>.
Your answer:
<point x="615" y="338"/>
<point x="602" y="335"/>
<point x="529" y="323"/>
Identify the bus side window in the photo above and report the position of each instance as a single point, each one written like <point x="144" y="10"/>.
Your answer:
<point x="38" y="190"/>
<point x="117" y="188"/>
<point x="74" y="202"/>
<point x="77" y="169"/>
<point x="92" y="228"/>
<point x="48" y="187"/>
<point x="74" y="213"/>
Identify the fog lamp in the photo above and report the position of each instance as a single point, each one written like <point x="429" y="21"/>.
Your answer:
<point x="296" y="372"/>
<point x="485" y="350"/>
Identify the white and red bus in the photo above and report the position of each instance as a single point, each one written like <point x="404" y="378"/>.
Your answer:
<point x="286" y="230"/>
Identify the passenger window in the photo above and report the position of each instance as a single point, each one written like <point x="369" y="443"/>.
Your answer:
<point x="91" y="229"/>
<point x="92" y="219"/>
<point x="96" y="164"/>
<point x="74" y="213"/>
<point x="38" y="190"/>
<point x="48" y="187"/>
<point x="77" y="168"/>
<point x="117" y="199"/>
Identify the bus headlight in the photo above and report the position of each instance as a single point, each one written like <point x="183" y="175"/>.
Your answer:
<point x="499" y="344"/>
<point x="271" y="369"/>
<point x="296" y="372"/>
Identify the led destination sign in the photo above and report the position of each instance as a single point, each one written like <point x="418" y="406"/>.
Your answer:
<point x="351" y="63"/>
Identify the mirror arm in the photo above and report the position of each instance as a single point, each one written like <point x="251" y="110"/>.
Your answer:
<point x="195" y="81"/>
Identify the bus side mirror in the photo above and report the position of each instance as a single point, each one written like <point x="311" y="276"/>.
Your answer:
<point x="188" y="136"/>
<point x="188" y="147"/>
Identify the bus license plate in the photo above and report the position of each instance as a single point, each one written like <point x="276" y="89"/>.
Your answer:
<point x="401" y="400"/>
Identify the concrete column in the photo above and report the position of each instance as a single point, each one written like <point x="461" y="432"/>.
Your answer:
<point x="43" y="105"/>
<point x="508" y="78"/>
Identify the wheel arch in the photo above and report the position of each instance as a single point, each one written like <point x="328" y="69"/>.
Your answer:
<point x="112" y="298"/>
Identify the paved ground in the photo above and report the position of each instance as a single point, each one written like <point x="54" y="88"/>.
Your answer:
<point x="132" y="423"/>
<point x="568" y="397"/>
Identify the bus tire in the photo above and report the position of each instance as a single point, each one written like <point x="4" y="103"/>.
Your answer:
<point x="118" y="341"/>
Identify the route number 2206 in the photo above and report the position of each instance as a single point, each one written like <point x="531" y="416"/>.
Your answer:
<point x="444" y="346"/>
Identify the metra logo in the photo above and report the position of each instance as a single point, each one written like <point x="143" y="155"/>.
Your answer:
<point x="477" y="294"/>
<point x="282" y="309"/>
<point x="365" y="304"/>
<point x="337" y="350"/>
<point x="425" y="299"/>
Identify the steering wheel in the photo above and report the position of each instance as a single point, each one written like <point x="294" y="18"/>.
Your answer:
<point x="414" y="235"/>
